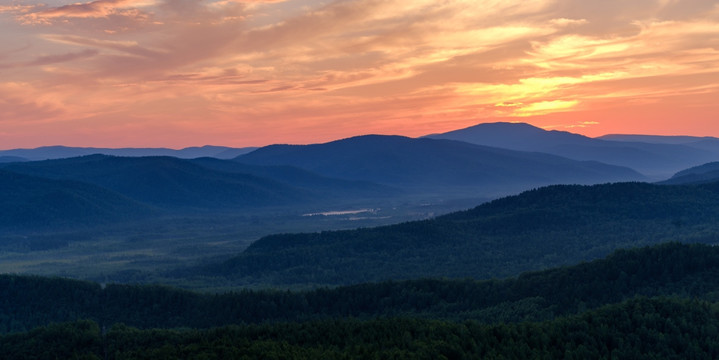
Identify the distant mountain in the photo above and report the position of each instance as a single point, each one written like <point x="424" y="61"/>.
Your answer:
<point x="705" y="143"/>
<point x="428" y="163"/>
<point x="167" y="181"/>
<point x="706" y="173"/>
<point x="302" y="179"/>
<point x="656" y="159"/>
<point x="30" y="202"/>
<point x="656" y="139"/>
<point x="9" y="159"/>
<point x="541" y="228"/>
<point x="61" y="152"/>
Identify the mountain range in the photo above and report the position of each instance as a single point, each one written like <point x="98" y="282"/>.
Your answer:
<point x="40" y="203"/>
<point x="484" y="161"/>
<point x="655" y="156"/>
<point x="429" y="163"/>
<point x="173" y="183"/>
<point x="60" y="152"/>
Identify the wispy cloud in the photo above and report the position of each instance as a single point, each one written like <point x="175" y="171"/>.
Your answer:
<point x="338" y="68"/>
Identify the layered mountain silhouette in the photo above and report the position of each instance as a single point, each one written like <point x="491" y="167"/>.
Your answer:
<point x="658" y="158"/>
<point x="167" y="181"/>
<point x="39" y="203"/>
<point x="550" y="226"/>
<point x="61" y="152"/>
<point x="429" y="163"/>
<point x="172" y="183"/>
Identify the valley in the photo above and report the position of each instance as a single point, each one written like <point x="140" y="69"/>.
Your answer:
<point x="362" y="233"/>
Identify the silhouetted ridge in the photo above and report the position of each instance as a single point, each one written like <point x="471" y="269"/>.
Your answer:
<point x="657" y="159"/>
<point x="403" y="161"/>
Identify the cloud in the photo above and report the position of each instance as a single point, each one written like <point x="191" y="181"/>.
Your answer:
<point x="53" y="59"/>
<point x="94" y="9"/>
<point x="265" y="63"/>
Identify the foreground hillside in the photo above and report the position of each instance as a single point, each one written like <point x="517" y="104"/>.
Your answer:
<point x="537" y="229"/>
<point x="636" y="329"/>
<point x="592" y="310"/>
<point x="664" y="270"/>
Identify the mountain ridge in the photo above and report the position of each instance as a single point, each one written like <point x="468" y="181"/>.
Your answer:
<point x="408" y="162"/>
<point x="657" y="160"/>
<point x="61" y="152"/>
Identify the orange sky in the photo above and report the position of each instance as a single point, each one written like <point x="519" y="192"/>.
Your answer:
<point x="177" y="73"/>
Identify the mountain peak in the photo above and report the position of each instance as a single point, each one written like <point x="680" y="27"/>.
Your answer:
<point x="509" y="135"/>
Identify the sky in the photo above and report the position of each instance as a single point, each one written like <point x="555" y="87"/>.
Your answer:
<point x="177" y="73"/>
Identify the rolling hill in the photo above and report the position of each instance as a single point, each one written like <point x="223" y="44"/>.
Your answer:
<point x="35" y="203"/>
<point x="682" y="270"/>
<point x="657" y="159"/>
<point x="61" y="152"/>
<point x="9" y="159"/>
<point x="337" y="188"/>
<point x="435" y="164"/>
<point x="540" y="228"/>
<point x="706" y="173"/>
<point x="167" y="181"/>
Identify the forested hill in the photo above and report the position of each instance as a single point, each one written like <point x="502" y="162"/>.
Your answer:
<point x="678" y="270"/>
<point x="537" y="229"/>
<point x="706" y="173"/>
<point x="637" y="329"/>
<point x="38" y="203"/>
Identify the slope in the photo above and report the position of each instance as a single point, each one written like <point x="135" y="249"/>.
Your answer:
<point x="657" y="160"/>
<point x="417" y="163"/>
<point x="537" y="229"/>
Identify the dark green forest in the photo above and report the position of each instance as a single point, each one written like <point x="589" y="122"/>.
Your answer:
<point x="642" y="328"/>
<point x="650" y="302"/>
<point x="538" y="229"/>
<point x="684" y="270"/>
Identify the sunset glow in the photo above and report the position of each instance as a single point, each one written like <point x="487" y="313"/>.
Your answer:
<point x="177" y="73"/>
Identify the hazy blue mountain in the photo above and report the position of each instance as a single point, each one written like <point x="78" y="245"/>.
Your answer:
<point x="706" y="173"/>
<point x="9" y="159"/>
<point x="301" y="178"/>
<point x="655" y="159"/>
<point x="39" y="203"/>
<point x="167" y="181"/>
<point x="61" y="152"/>
<point x="429" y="163"/>
<point x="547" y="227"/>
<point x="704" y="143"/>
<point x="655" y="139"/>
